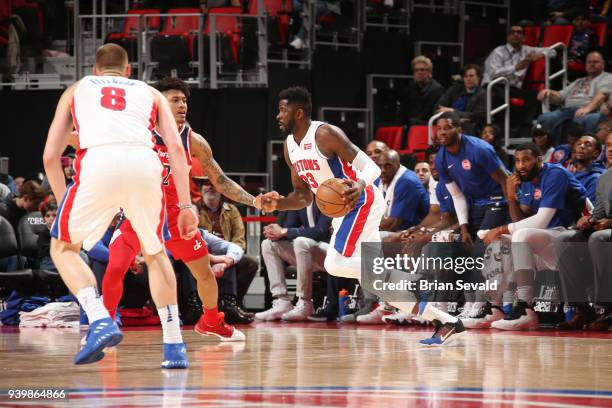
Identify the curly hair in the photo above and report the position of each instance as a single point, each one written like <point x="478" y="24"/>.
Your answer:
<point x="169" y="83"/>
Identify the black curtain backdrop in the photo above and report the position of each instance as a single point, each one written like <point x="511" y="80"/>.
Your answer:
<point x="234" y="121"/>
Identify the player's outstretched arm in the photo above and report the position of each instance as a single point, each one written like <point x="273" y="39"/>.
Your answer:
<point x="331" y="140"/>
<point x="300" y="197"/>
<point x="225" y="185"/>
<point x="188" y="220"/>
<point x="57" y="140"/>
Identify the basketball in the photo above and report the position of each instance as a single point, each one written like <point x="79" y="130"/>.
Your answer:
<point x="329" y="198"/>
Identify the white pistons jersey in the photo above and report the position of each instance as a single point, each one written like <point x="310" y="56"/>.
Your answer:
<point x="311" y="165"/>
<point x="112" y="110"/>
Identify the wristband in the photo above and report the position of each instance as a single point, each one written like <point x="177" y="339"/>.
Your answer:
<point x="186" y="206"/>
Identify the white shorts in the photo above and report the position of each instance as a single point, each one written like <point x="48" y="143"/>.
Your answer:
<point x="107" y="179"/>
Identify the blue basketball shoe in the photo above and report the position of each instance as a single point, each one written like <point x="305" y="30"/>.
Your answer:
<point x="175" y="356"/>
<point x="102" y="333"/>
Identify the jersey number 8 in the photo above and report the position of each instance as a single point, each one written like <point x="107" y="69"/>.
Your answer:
<point x="113" y="98"/>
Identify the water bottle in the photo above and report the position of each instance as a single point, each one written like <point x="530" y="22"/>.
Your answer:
<point x="343" y="297"/>
<point x="569" y="312"/>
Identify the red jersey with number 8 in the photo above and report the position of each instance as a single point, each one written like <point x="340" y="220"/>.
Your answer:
<point x="113" y="111"/>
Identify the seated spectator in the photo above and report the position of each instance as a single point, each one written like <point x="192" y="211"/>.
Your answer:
<point x="302" y="241"/>
<point x="608" y="150"/>
<point x="225" y="256"/>
<point x="423" y="172"/>
<point x="564" y="11"/>
<point x="375" y="148"/>
<point x="542" y="198"/>
<point x="492" y="134"/>
<point x="583" y="41"/>
<point x="419" y="100"/>
<point x="541" y="138"/>
<point x="322" y="8"/>
<point x="224" y="221"/>
<point x="512" y="61"/>
<point x="576" y="261"/>
<point x="5" y="191"/>
<point x="16" y="185"/>
<point x="406" y="199"/>
<point x="580" y="101"/>
<point x="585" y="166"/>
<point x="563" y="154"/>
<point x="468" y="99"/>
<point x="49" y="212"/>
<point x="14" y="207"/>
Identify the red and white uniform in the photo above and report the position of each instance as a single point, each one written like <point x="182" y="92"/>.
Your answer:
<point x="361" y="223"/>
<point x="115" y="166"/>
<point x="185" y="250"/>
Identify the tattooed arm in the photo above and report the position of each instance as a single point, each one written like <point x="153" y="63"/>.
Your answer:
<point x="223" y="184"/>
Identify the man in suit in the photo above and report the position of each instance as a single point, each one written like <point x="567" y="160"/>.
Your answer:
<point x="302" y="241"/>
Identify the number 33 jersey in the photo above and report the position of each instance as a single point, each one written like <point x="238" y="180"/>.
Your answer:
<point x="310" y="164"/>
<point x="109" y="110"/>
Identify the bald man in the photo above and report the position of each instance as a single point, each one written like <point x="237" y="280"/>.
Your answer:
<point x="406" y="199"/>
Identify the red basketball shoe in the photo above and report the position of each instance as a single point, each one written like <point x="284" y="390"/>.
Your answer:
<point x="221" y="330"/>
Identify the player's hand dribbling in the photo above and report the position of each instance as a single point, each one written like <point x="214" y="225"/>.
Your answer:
<point x="188" y="222"/>
<point x="353" y="192"/>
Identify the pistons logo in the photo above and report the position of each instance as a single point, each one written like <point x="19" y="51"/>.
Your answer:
<point x="466" y="164"/>
<point x="537" y="194"/>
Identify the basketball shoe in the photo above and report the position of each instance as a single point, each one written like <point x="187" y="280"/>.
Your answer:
<point x="221" y="330"/>
<point x="101" y="334"/>
<point x="175" y="356"/>
<point x="279" y="307"/>
<point x="302" y="310"/>
<point x="523" y="317"/>
<point x="482" y="316"/>
<point x="376" y="315"/>
<point x="367" y="307"/>
<point x="444" y="334"/>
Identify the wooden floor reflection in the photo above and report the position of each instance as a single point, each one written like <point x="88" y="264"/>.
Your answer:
<point x="317" y="365"/>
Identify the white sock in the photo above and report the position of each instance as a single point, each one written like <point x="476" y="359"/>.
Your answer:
<point x="430" y="313"/>
<point x="171" y="327"/>
<point x="525" y="293"/>
<point x="92" y="304"/>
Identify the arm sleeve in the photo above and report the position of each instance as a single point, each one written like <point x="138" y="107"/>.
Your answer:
<point x="459" y="201"/>
<point x="369" y="170"/>
<point x="540" y="220"/>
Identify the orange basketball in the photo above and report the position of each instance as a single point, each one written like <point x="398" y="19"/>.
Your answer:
<point x="329" y="198"/>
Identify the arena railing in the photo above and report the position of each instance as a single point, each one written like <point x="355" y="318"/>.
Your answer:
<point x="561" y="72"/>
<point x="353" y="121"/>
<point x="505" y="107"/>
<point x="430" y="124"/>
<point x="386" y="21"/>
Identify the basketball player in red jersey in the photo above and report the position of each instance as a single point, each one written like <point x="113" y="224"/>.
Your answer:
<point x="193" y="252"/>
<point x="116" y="168"/>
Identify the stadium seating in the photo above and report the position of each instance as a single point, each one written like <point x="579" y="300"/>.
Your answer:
<point x="391" y="136"/>
<point x="557" y="33"/>
<point x="601" y="29"/>
<point x="417" y="142"/>
<point x="127" y="38"/>
<point x="532" y="35"/>
<point x="8" y="248"/>
<point x="278" y="19"/>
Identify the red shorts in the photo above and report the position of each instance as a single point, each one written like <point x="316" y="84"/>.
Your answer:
<point x="187" y="250"/>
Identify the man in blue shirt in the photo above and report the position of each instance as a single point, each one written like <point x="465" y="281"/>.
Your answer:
<point x="544" y="199"/>
<point x="476" y="179"/>
<point x="585" y="166"/>
<point x="406" y="199"/>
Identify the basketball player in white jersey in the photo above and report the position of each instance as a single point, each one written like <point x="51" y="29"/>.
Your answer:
<point x="315" y="152"/>
<point x="116" y="167"/>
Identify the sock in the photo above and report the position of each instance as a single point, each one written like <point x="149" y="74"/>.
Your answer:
<point x="430" y="313"/>
<point x="525" y="293"/>
<point x="171" y="328"/>
<point x="508" y="297"/>
<point x="92" y="304"/>
<point x="211" y="316"/>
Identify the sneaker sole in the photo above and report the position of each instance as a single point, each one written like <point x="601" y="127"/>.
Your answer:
<point x="218" y="336"/>
<point x="450" y="340"/>
<point x="518" y="328"/>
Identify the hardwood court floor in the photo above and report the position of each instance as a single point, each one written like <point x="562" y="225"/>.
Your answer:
<point x="318" y="365"/>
